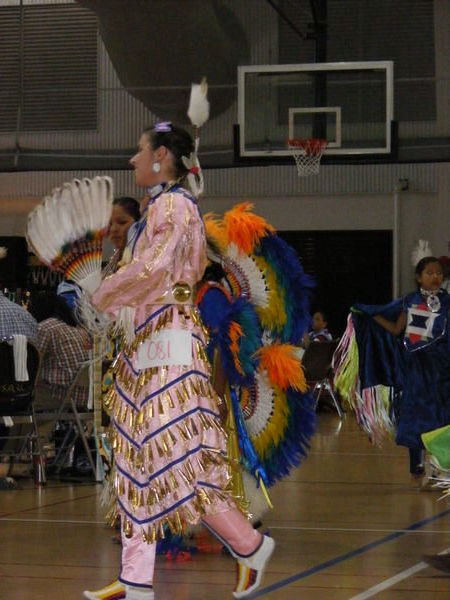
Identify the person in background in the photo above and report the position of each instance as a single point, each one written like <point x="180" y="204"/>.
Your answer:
<point x="14" y="320"/>
<point x="125" y="212"/>
<point x="125" y="217"/>
<point x="319" y="329"/>
<point x="70" y="292"/>
<point x="403" y="345"/>
<point x="425" y="403"/>
<point x="63" y="345"/>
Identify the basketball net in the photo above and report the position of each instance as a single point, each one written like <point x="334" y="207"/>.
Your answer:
<point x="307" y="154"/>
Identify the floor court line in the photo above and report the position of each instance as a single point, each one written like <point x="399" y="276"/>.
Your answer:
<point x="352" y="529"/>
<point x="387" y="583"/>
<point x="48" y="505"/>
<point x="269" y="527"/>
<point x="63" y="521"/>
<point x="348" y="555"/>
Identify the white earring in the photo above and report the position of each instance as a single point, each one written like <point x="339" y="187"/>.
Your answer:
<point x="156" y="167"/>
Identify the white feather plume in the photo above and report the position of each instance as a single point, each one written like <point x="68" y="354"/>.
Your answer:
<point x="421" y="250"/>
<point x="198" y="110"/>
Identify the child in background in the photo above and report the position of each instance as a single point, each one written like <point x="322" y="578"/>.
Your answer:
<point x="409" y="354"/>
<point x="425" y="403"/>
<point x="319" y="331"/>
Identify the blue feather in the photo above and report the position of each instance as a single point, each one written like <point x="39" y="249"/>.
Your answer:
<point x="294" y="446"/>
<point x="218" y="313"/>
<point x="297" y="286"/>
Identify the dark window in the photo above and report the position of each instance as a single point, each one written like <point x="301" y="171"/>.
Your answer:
<point x="347" y="266"/>
<point x="48" y="70"/>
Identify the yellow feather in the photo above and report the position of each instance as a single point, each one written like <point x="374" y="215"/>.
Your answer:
<point x="215" y="231"/>
<point x="274" y="431"/>
<point x="273" y="316"/>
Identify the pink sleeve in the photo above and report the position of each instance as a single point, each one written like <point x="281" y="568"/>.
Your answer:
<point x="168" y="253"/>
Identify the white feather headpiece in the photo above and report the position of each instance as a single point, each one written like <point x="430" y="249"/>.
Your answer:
<point x="198" y="113"/>
<point x="198" y="110"/>
<point x="421" y="250"/>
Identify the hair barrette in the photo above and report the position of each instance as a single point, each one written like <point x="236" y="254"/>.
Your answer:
<point x="162" y="127"/>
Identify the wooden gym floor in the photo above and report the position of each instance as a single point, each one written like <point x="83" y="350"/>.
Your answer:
<point x="348" y="524"/>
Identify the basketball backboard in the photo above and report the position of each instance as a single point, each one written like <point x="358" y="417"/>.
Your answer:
<point x="350" y="104"/>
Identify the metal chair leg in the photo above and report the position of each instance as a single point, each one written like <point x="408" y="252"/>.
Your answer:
<point x="335" y="402"/>
<point x="317" y="386"/>
<point x="83" y="438"/>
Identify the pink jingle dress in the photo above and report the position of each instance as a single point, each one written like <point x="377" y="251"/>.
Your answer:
<point x="168" y="442"/>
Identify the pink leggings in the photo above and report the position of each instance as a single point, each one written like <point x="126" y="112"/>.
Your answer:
<point x="230" y="527"/>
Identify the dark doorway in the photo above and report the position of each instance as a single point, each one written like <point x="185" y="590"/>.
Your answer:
<point x="347" y="266"/>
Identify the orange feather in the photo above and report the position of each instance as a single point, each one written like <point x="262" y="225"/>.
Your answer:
<point x="283" y="366"/>
<point x="244" y="228"/>
<point x="235" y="333"/>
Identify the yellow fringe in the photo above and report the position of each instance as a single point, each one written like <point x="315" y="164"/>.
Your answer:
<point x="346" y="376"/>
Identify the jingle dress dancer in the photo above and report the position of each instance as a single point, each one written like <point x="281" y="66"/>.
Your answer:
<point x="168" y="441"/>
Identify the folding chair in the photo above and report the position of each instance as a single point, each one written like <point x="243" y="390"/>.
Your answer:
<point x="316" y="361"/>
<point x="78" y="421"/>
<point x="17" y="409"/>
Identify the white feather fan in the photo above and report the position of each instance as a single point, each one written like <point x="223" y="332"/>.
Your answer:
<point x="67" y="228"/>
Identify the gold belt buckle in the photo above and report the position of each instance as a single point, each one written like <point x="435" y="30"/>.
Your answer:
<point x="181" y="292"/>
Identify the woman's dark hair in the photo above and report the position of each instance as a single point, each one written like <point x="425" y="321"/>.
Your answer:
<point x="178" y="141"/>
<point x="130" y="206"/>
<point x="45" y="305"/>
<point x="213" y="272"/>
<point x="423" y="262"/>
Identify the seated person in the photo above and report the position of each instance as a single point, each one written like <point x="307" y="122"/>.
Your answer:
<point x="319" y="331"/>
<point x="14" y="320"/>
<point x="63" y="344"/>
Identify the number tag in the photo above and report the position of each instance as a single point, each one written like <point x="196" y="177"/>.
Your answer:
<point x="167" y="347"/>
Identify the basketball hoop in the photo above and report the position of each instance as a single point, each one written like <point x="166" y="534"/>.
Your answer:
<point x="307" y="154"/>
